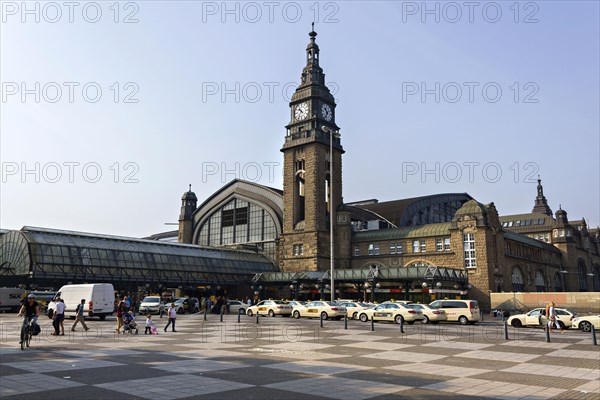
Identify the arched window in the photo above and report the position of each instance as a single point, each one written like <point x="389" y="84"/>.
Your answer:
<point x="558" y="286"/>
<point x="517" y="280"/>
<point x="540" y="284"/>
<point x="582" y="275"/>
<point x="596" y="278"/>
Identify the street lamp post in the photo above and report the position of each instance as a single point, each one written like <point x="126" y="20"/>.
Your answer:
<point x="331" y="210"/>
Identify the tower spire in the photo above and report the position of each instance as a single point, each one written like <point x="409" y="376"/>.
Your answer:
<point x="541" y="204"/>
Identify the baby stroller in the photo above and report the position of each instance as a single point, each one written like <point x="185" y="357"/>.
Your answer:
<point x="129" y="324"/>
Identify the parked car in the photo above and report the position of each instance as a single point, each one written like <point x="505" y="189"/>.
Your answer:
<point x="462" y="311"/>
<point x="270" y="308"/>
<point x="430" y="314"/>
<point x="393" y="312"/>
<point x="320" y="309"/>
<point x="536" y="317"/>
<point x="185" y="305"/>
<point x="235" y="306"/>
<point x="585" y="323"/>
<point x="353" y="308"/>
<point x="152" y="305"/>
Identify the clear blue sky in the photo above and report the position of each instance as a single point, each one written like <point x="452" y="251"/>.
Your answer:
<point x="375" y="55"/>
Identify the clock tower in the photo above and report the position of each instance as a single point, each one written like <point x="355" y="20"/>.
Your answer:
<point x="311" y="164"/>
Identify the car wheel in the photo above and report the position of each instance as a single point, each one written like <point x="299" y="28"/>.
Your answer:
<point x="354" y="316"/>
<point x="561" y="324"/>
<point x="363" y="318"/>
<point x="425" y="319"/>
<point x="296" y="314"/>
<point x="249" y="313"/>
<point x="180" y="311"/>
<point x="324" y="315"/>
<point x="242" y="311"/>
<point x="271" y="313"/>
<point x="463" y="320"/>
<point x="399" y="319"/>
<point x="585" y="326"/>
<point x="516" y="323"/>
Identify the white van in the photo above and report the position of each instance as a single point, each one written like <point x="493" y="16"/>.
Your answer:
<point x="463" y="311"/>
<point x="10" y="298"/>
<point x="99" y="299"/>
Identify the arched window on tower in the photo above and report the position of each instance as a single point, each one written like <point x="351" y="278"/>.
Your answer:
<point x="517" y="280"/>
<point x="299" y="194"/>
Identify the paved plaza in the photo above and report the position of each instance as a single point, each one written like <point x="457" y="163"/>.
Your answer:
<point x="283" y="358"/>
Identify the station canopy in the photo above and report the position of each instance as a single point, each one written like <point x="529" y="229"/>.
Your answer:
<point x="41" y="253"/>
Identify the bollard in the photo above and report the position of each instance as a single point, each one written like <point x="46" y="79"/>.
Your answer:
<point x="401" y="325"/>
<point x="547" y="334"/>
<point x="205" y="314"/>
<point x="373" y="324"/>
<point x="481" y="312"/>
<point x="346" y="322"/>
<point x="221" y="315"/>
<point x="321" y="318"/>
<point x="257" y="318"/>
<point x="593" y="330"/>
<point x="240" y="314"/>
<point x="505" y="329"/>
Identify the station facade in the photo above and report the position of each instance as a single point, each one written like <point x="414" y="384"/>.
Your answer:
<point x="251" y="238"/>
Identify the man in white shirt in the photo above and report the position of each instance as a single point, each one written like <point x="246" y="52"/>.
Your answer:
<point x="172" y="317"/>
<point x="58" y="317"/>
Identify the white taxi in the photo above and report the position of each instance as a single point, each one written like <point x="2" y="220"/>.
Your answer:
<point x="430" y="314"/>
<point x="320" y="309"/>
<point x="270" y="308"/>
<point x="585" y="323"/>
<point x="353" y="308"/>
<point x="536" y="317"/>
<point x="394" y="312"/>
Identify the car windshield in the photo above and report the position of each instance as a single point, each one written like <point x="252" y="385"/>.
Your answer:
<point x="151" y="300"/>
<point x="179" y="301"/>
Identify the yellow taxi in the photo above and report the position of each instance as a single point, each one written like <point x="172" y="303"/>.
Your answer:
<point x="353" y="308"/>
<point x="320" y="309"/>
<point x="394" y="312"/>
<point x="270" y="308"/>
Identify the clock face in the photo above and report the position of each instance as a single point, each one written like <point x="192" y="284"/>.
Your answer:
<point x="301" y="111"/>
<point x="326" y="112"/>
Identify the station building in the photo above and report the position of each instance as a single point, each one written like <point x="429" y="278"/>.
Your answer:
<point x="276" y="243"/>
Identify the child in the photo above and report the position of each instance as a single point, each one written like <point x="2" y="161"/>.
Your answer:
<point x="149" y="325"/>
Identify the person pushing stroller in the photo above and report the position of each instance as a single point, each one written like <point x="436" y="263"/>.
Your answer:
<point x="129" y="324"/>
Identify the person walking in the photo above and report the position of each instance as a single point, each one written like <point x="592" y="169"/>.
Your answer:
<point x="553" y="317"/>
<point x="79" y="318"/>
<point x="172" y="317"/>
<point x="120" y="311"/>
<point x="58" y="317"/>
